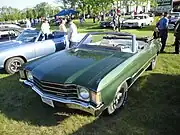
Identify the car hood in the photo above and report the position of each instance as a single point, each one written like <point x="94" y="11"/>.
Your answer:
<point x="81" y="67"/>
<point x="8" y="44"/>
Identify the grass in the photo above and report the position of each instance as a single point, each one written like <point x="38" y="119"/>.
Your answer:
<point x="153" y="106"/>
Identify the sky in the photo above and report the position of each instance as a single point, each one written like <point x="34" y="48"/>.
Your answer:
<point x="21" y="4"/>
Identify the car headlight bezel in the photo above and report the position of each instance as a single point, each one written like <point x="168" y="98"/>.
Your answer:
<point x="29" y="76"/>
<point x="83" y="94"/>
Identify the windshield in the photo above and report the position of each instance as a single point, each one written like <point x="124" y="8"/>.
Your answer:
<point x="109" y="41"/>
<point x="28" y="36"/>
<point x="138" y="17"/>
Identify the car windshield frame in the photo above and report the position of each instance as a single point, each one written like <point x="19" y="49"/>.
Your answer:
<point x="28" y="36"/>
<point x="83" y="44"/>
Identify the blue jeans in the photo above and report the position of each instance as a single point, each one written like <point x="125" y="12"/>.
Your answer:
<point x="163" y="35"/>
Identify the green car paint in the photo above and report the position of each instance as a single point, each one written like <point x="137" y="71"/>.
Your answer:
<point x="76" y="66"/>
<point x="98" y="70"/>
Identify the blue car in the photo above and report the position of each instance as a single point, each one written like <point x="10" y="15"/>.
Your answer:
<point x="173" y="18"/>
<point x="28" y="46"/>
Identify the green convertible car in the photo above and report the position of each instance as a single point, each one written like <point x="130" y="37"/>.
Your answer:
<point x="95" y="75"/>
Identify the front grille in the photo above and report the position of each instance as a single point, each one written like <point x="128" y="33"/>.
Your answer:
<point x="61" y="90"/>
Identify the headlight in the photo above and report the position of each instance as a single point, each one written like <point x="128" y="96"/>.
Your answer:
<point x="22" y="74"/>
<point x="29" y="76"/>
<point x="84" y="94"/>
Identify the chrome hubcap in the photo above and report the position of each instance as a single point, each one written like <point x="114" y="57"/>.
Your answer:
<point x="118" y="101"/>
<point x="15" y="65"/>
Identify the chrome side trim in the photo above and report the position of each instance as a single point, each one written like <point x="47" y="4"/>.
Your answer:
<point x="141" y="72"/>
<point x="144" y="65"/>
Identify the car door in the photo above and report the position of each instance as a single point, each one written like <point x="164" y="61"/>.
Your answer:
<point x="140" y="61"/>
<point x="45" y="47"/>
<point x="27" y="50"/>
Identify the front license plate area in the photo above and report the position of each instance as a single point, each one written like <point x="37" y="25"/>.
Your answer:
<point x="47" y="101"/>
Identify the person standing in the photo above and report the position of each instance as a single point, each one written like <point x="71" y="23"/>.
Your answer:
<point x="28" y="23"/>
<point x="62" y="26"/>
<point x="45" y="28"/>
<point x="94" y="18"/>
<point x="115" y="22"/>
<point x="177" y="37"/>
<point x="72" y="33"/>
<point x="119" y="22"/>
<point x="162" y="26"/>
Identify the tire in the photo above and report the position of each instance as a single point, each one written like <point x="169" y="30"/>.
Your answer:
<point x="12" y="65"/>
<point x="119" y="99"/>
<point x="153" y="64"/>
<point x="141" y="26"/>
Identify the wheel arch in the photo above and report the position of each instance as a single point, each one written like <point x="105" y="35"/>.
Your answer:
<point x="128" y="80"/>
<point x="20" y="56"/>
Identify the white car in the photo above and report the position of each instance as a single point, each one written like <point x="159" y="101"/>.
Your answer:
<point x="7" y="29"/>
<point x="9" y="26"/>
<point x="140" y="20"/>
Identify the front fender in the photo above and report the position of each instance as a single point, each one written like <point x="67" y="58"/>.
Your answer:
<point x="5" y="55"/>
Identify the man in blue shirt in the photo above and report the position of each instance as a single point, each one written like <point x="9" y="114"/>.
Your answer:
<point x="162" y="26"/>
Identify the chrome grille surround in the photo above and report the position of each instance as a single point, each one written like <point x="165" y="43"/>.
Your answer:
<point x="69" y="91"/>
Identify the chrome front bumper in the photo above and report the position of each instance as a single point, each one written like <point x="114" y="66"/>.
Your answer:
<point x="74" y="104"/>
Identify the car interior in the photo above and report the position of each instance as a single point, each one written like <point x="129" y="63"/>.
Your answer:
<point x="124" y="44"/>
<point x="52" y="35"/>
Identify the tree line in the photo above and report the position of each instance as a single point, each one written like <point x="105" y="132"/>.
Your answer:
<point x="83" y="6"/>
<point x="97" y="6"/>
<point x="40" y="10"/>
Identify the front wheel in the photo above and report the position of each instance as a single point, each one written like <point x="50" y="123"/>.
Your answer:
<point x="12" y="65"/>
<point x="119" y="100"/>
<point x="141" y="26"/>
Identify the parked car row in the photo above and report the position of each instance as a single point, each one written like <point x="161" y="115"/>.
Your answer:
<point x="93" y="76"/>
<point x="138" y="21"/>
<point x="7" y="30"/>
